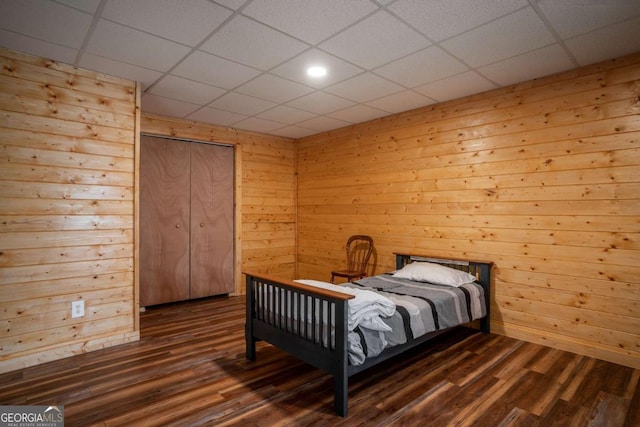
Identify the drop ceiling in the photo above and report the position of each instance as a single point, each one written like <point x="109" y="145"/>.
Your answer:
<point x="241" y="63"/>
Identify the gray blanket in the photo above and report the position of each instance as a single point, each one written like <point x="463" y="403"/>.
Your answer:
<point x="420" y="308"/>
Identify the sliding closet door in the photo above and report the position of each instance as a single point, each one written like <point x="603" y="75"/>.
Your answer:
<point x="164" y="220"/>
<point x="211" y="220"/>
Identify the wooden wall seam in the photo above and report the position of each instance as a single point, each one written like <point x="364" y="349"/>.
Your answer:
<point x="136" y="279"/>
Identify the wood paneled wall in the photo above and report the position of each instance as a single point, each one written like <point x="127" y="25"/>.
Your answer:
<point x="543" y="178"/>
<point x="265" y="193"/>
<point x="67" y="141"/>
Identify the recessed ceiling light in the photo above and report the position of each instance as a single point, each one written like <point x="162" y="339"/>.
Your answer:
<point x="316" y="71"/>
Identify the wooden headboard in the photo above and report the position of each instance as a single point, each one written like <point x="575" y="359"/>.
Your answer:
<point x="480" y="269"/>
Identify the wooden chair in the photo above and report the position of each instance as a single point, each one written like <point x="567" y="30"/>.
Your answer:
<point x="359" y="249"/>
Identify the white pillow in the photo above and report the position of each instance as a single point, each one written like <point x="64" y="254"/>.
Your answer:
<point x="434" y="273"/>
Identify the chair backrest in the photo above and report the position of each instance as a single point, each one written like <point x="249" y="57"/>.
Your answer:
<point x="359" y="249"/>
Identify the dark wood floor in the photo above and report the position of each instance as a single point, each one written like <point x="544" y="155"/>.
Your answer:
<point x="189" y="369"/>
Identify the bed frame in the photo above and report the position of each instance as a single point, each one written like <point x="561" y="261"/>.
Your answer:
<point x="318" y="343"/>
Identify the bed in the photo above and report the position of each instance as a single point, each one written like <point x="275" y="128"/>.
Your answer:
<point x="315" y="322"/>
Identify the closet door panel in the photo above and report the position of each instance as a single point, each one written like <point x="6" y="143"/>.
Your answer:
<point x="164" y="220"/>
<point x="211" y="220"/>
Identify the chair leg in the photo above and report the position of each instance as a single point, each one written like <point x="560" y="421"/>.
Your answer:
<point x="332" y="278"/>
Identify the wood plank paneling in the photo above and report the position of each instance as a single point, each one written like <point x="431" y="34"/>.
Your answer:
<point x="67" y="144"/>
<point x="542" y="177"/>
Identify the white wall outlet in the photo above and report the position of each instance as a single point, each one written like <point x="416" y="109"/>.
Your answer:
<point x="77" y="308"/>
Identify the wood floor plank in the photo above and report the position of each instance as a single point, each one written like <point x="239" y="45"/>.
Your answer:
<point x="579" y="374"/>
<point x="513" y="394"/>
<point x="603" y="376"/>
<point x="405" y="389"/>
<point x="519" y="417"/>
<point x="412" y="412"/>
<point x="189" y="369"/>
<point x="607" y="410"/>
<point x="545" y="358"/>
<point x="515" y="360"/>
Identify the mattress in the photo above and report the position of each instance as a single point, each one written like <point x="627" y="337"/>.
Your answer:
<point x="421" y="308"/>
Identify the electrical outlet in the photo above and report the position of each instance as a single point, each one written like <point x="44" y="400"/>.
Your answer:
<point x="77" y="308"/>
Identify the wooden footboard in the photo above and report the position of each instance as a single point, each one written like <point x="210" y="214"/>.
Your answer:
<point x="307" y="322"/>
<point x="311" y="323"/>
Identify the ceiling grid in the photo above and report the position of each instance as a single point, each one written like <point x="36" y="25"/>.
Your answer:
<point x="242" y="63"/>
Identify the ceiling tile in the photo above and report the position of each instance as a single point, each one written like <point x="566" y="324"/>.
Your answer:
<point x="166" y="107"/>
<point x="358" y="114"/>
<point x="401" y="101"/>
<point x="258" y="125"/>
<point x="294" y="132"/>
<point x="115" y="68"/>
<point x="323" y="123"/>
<point x="194" y="61"/>
<point x="215" y="116"/>
<point x="337" y="69"/>
<point x="38" y="47"/>
<point x="309" y="20"/>
<point x="364" y="87"/>
<point x="511" y="35"/>
<point x="616" y="40"/>
<point x="185" y="22"/>
<point x="538" y="63"/>
<point x="86" y="5"/>
<point x="232" y="4"/>
<point x="320" y="103"/>
<point x="186" y="90"/>
<point x="287" y="115"/>
<point x="274" y="88"/>
<point x="251" y="43"/>
<point x="213" y="70"/>
<point x="241" y="104"/>
<point x="375" y="41"/>
<point x="439" y="20"/>
<point x="47" y="21"/>
<point x="456" y="86"/>
<point x="134" y="47"/>
<point x="422" y="67"/>
<point x="572" y="18"/>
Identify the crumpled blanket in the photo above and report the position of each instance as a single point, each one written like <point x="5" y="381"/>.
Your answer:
<point x="365" y="310"/>
<point x="365" y="317"/>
